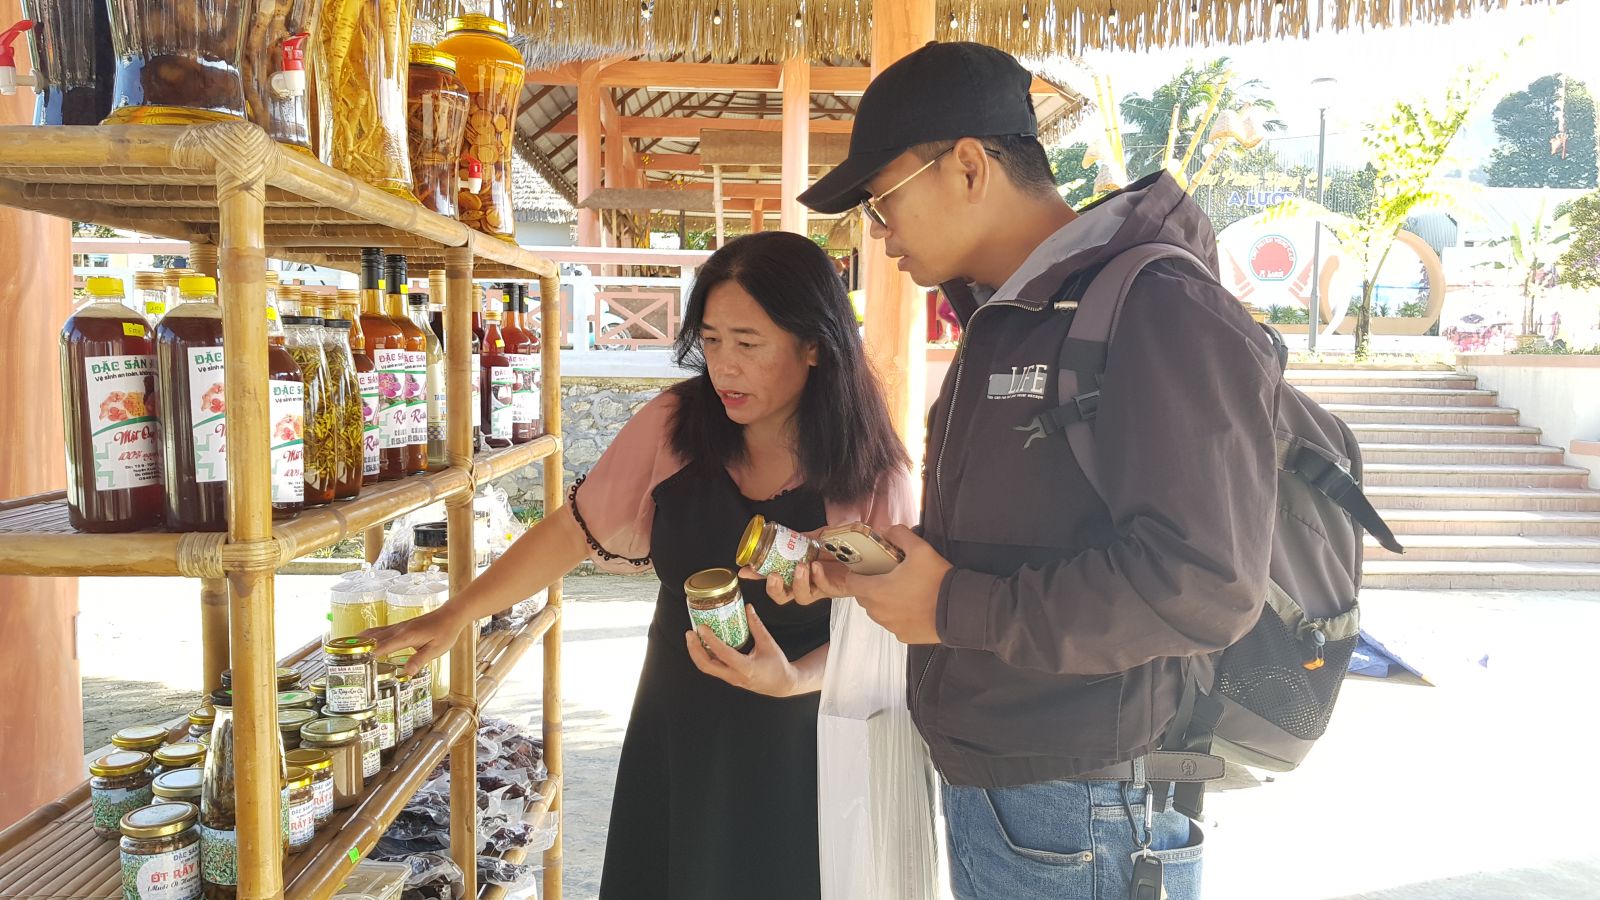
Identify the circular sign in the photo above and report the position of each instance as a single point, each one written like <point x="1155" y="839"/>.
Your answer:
<point x="1272" y="258"/>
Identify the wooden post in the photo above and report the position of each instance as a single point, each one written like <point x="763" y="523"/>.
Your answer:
<point x="213" y="631"/>
<point x="896" y="326"/>
<point x="758" y="217"/>
<point x="458" y="510"/>
<point x="796" y="142"/>
<point x="716" y="200"/>
<point x="372" y="544"/>
<point x="41" y="731"/>
<point x="550" y="364"/>
<point x="243" y="153"/>
<point x="589" y="160"/>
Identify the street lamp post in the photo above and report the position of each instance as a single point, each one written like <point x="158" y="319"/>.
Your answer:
<point x="1322" y="89"/>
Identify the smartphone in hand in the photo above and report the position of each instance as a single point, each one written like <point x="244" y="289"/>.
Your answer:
<point x="862" y="550"/>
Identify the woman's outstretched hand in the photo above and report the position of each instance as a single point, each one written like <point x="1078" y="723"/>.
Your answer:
<point x="764" y="670"/>
<point x="430" y="635"/>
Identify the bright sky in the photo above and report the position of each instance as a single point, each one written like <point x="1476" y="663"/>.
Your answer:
<point x="1377" y="67"/>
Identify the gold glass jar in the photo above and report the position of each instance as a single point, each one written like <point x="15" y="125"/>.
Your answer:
<point x="340" y="738"/>
<point x="772" y="549"/>
<point x="361" y="52"/>
<point x="402" y="706"/>
<point x="388" y="726"/>
<point x="179" y="784"/>
<point x="177" y="63"/>
<point x="371" y="748"/>
<point x="140" y="737"/>
<point x="492" y="71"/>
<point x="274" y="70"/>
<point x="296" y="699"/>
<point x="436" y="123"/>
<point x="290" y="721"/>
<point x="302" y="809"/>
<point x="320" y="764"/>
<point x="352" y="674"/>
<point x="200" y="721"/>
<point x="183" y="755"/>
<point x="161" y="852"/>
<point x="119" y="783"/>
<point x="716" y="602"/>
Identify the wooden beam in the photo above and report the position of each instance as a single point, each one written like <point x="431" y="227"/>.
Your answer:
<point x="587" y="127"/>
<point x="647" y="127"/>
<point x="615" y="144"/>
<point x="533" y="100"/>
<point x="796" y="143"/>
<point x="563" y="76"/>
<point x="756" y="148"/>
<point x="668" y="162"/>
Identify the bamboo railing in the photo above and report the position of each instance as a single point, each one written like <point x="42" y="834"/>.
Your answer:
<point x="238" y="198"/>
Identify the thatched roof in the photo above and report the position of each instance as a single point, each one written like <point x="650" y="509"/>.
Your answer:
<point x="534" y="200"/>
<point x="765" y="30"/>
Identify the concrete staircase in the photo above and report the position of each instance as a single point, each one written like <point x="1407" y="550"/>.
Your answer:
<point x="1478" y="502"/>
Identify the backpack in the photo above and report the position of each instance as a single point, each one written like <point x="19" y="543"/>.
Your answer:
<point x="1273" y="691"/>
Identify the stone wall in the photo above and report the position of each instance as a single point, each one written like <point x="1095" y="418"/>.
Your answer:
<point x="593" y="410"/>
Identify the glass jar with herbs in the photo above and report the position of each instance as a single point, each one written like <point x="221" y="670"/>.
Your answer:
<point x="340" y="738"/>
<point x="302" y="809"/>
<point x="371" y="740"/>
<point x="716" y="602"/>
<point x="436" y="103"/>
<point x="345" y="388"/>
<point x="352" y="674"/>
<point x="182" y="755"/>
<point x="140" y="737"/>
<point x="200" y="721"/>
<point x="160" y="852"/>
<point x="320" y="764"/>
<point x="303" y="339"/>
<point x="219" y="836"/>
<point x="274" y="70"/>
<point x="388" y="725"/>
<point x="119" y="783"/>
<point x="492" y="71"/>
<point x="773" y="549"/>
<point x="360" y="49"/>
<point x="179" y="784"/>
<point x="290" y="721"/>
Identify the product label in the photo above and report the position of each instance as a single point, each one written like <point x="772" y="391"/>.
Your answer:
<point x="371" y="431"/>
<point x="219" y="855"/>
<point x="155" y="309"/>
<point x="349" y="688"/>
<point x="322" y="799"/>
<point x="417" y="397"/>
<point x="422" y="699"/>
<point x="402" y="716"/>
<point x="502" y="388"/>
<point x="283" y="812"/>
<point x="393" y="422"/>
<point x="208" y="414"/>
<point x="727" y="622"/>
<point x="787" y="552"/>
<point x="109" y="805"/>
<point x="124" y="435"/>
<point x="371" y="753"/>
<point x="523" y="412"/>
<point x="438" y="402"/>
<point x="477" y="391"/>
<point x="132" y="329"/>
<point x="174" y="875"/>
<point x="302" y="822"/>
<point x="286" y="411"/>
<point x="386" y="723"/>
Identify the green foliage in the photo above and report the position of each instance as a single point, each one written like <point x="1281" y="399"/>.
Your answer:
<point x="1525" y="120"/>
<point x="1287" y="315"/>
<point x="1579" y="265"/>
<point x="1533" y="250"/>
<point x="1075" y="183"/>
<point x="1191" y="91"/>
<point x="89" y="229"/>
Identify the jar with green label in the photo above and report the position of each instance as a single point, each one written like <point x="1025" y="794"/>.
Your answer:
<point x="119" y="783"/>
<point x="145" y="738"/>
<point x="403" y="702"/>
<point x="179" y="784"/>
<point x="160" y="852"/>
<point x="200" y="721"/>
<point x="773" y="549"/>
<point x="371" y="746"/>
<point x="388" y="726"/>
<point x="716" y="602"/>
<point x="352" y="682"/>
<point x="302" y="809"/>
<point x="183" y="755"/>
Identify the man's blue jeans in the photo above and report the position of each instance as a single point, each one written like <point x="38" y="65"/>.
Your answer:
<point x="1061" y="840"/>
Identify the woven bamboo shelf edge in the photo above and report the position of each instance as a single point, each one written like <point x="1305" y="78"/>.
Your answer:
<point x="548" y="792"/>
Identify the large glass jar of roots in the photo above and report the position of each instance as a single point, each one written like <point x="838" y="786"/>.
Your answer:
<point x="436" y="123"/>
<point x="493" y="73"/>
<point x="72" y="60"/>
<point x="360" y="55"/>
<point x="177" y="63"/>
<point x="274" y="70"/>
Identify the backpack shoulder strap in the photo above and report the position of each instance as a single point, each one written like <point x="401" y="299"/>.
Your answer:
<point x="1082" y="360"/>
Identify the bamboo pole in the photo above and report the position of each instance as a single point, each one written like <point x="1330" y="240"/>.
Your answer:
<point x="213" y="631"/>
<point x="463" y="663"/>
<point x="589" y="154"/>
<point x="241" y="195"/>
<point x="550" y="365"/>
<point x="372" y="543"/>
<point x="203" y="258"/>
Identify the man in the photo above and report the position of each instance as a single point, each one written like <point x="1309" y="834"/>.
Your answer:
<point x="1053" y="632"/>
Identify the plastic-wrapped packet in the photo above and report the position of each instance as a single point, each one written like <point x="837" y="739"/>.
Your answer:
<point x="516" y="876"/>
<point x="434" y="876"/>
<point x="399" y="543"/>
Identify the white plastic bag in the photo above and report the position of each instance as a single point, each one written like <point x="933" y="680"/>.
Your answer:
<point x="875" y="783"/>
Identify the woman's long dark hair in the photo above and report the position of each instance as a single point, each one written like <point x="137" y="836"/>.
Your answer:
<point x="845" y="441"/>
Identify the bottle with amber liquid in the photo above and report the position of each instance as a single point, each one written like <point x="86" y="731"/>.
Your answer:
<point x="416" y="366"/>
<point x="535" y="361"/>
<point x="479" y="432"/>
<point x="109" y="407"/>
<point x="385" y="344"/>
<point x="519" y="349"/>
<point x="438" y="400"/>
<point x="499" y="384"/>
<point x="286" y="411"/>
<point x="194" y="447"/>
<point x="367" y="382"/>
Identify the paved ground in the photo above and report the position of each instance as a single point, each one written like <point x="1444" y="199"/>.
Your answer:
<point x="1476" y="787"/>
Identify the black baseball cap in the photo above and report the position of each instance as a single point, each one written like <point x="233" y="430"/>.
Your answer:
<point x="941" y="92"/>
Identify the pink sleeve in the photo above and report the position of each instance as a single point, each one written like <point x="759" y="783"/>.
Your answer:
<point x="895" y="502"/>
<point x="612" y="503"/>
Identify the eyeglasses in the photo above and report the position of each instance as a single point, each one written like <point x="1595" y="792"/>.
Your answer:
<point x="869" y="206"/>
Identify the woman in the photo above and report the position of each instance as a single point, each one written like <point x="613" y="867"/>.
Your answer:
<point x="716" y="793"/>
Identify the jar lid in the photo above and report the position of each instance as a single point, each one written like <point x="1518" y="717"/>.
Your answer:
<point x="420" y="592"/>
<point x="179" y="784"/>
<point x="752" y="537"/>
<point x="140" y="737"/>
<point x="429" y="55"/>
<point x="354" y="645"/>
<point x="361" y="715"/>
<point x="103" y="286"/>
<point x="197" y="286"/>
<point x="335" y="730"/>
<point x="385" y="672"/>
<point x="222" y="698"/>
<point x="473" y="22"/>
<point x="318" y="688"/>
<point x="181" y="755"/>
<point x="431" y="534"/>
<point x="122" y="762"/>
<point x="309" y="759"/>
<point x="287" y="674"/>
<point x="149" y="281"/>
<point x="204" y="740"/>
<point x="205" y="715"/>
<point x="292" y="699"/>
<point x="339" y="324"/>
<point x="297" y="776"/>
<point x="294" y="719"/>
<point x="710" y="584"/>
<point x="160" y="820"/>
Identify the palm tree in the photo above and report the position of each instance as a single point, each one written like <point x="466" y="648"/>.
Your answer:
<point x="1191" y="91"/>
<point x="1533" y="251"/>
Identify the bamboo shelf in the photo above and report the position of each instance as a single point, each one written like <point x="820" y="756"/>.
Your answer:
<point x="238" y="198"/>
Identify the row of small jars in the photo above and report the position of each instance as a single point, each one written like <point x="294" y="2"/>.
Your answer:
<point x="433" y="124"/>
